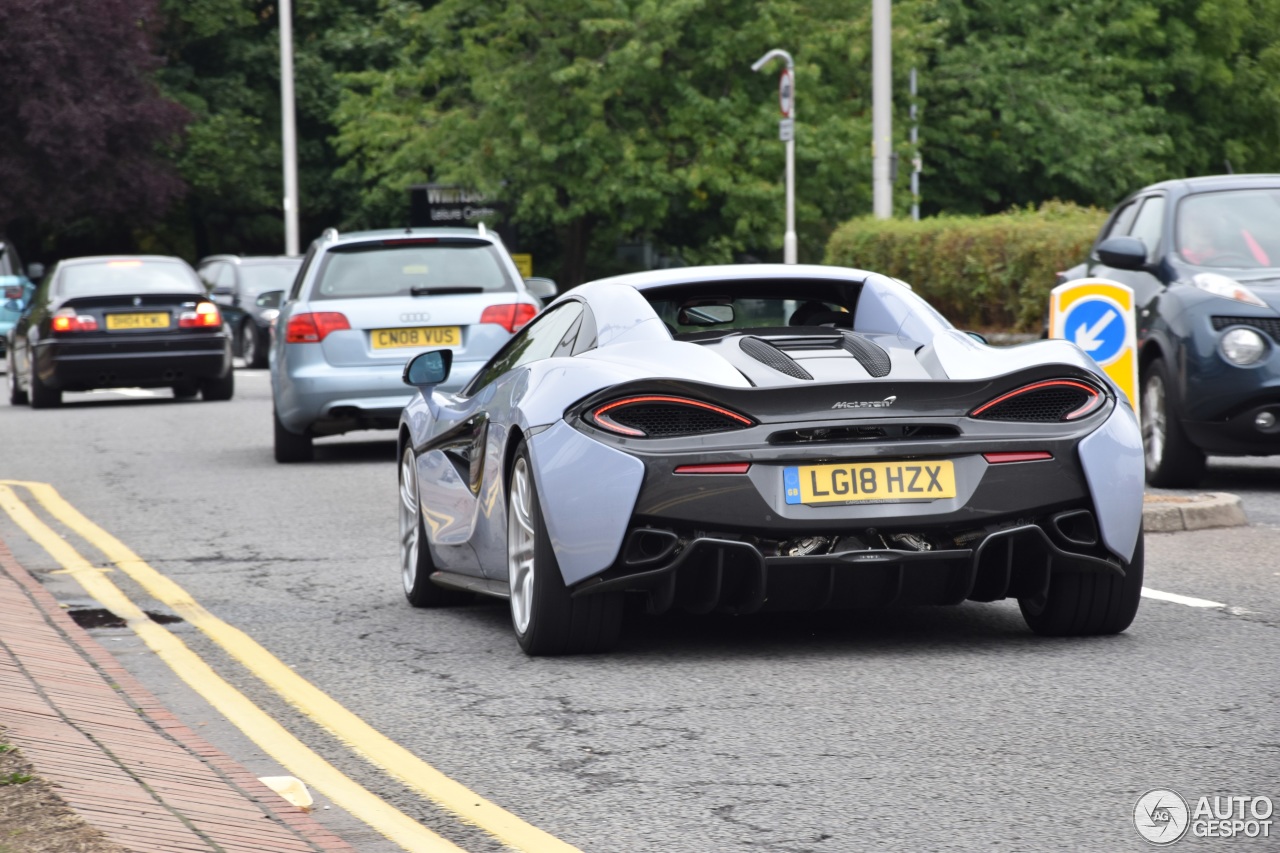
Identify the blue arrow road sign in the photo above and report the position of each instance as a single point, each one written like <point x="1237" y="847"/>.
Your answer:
<point x="1098" y="327"/>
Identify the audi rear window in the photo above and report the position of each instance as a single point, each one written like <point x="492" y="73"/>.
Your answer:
<point x="411" y="268"/>
<point x="127" y="276"/>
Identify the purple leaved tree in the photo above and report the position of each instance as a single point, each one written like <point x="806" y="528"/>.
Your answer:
<point x="82" y="125"/>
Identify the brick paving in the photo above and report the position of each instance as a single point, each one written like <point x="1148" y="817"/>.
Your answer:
<point x="116" y="756"/>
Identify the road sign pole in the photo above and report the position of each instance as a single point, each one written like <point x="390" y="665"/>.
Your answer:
<point x="786" y="128"/>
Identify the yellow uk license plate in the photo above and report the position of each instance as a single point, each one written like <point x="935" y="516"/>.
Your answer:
<point x="421" y="336"/>
<point x="150" y="320"/>
<point x="859" y="482"/>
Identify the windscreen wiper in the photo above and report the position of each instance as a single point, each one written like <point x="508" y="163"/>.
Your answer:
<point x="443" y="291"/>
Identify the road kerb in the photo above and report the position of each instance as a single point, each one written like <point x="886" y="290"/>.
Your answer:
<point x="1167" y="513"/>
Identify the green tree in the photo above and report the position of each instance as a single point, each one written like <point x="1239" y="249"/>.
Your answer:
<point x="224" y="66"/>
<point x="608" y="120"/>
<point x="1086" y="100"/>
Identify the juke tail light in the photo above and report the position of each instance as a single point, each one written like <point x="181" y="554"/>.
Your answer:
<point x="1050" y="401"/>
<point x="513" y="317"/>
<point x="206" y="316"/>
<point x="658" y="416"/>
<point x="312" y="328"/>
<point x="67" y="320"/>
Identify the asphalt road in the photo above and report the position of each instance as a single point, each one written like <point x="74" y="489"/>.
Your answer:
<point x="916" y="729"/>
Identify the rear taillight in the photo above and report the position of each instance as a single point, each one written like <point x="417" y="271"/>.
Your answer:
<point x="1051" y="401"/>
<point x="206" y="316"/>
<point x="67" y="320"/>
<point x="312" y="328"/>
<point x="653" y="416"/>
<point x="510" y="317"/>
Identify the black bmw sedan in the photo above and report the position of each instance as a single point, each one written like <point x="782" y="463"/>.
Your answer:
<point x="119" y="321"/>
<point x="1203" y="258"/>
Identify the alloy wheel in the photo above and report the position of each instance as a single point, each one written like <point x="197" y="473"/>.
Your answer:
<point x="409" y="526"/>
<point x="1153" y="421"/>
<point x="521" y="540"/>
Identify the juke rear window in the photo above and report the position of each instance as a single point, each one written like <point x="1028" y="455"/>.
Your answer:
<point x="411" y="268"/>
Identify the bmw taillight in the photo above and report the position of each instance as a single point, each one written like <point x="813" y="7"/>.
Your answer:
<point x="513" y="318"/>
<point x="206" y="316"/>
<point x="655" y="416"/>
<point x="312" y="328"/>
<point x="1050" y="401"/>
<point x="67" y="320"/>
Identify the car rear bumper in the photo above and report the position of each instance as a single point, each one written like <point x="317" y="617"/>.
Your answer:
<point x="318" y="399"/>
<point x="1092" y="477"/>
<point x="736" y="576"/>
<point x="154" y="362"/>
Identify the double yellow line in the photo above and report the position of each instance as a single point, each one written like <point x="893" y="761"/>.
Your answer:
<point x="274" y="739"/>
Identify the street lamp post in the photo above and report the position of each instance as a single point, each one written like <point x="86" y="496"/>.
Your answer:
<point x="289" y="132"/>
<point x="786" y="130"/>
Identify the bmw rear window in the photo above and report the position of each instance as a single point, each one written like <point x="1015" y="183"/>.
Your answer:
<point x="411" y="268"/>
<point x="123" y="276"/>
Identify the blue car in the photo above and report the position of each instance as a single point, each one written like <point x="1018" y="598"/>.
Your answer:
<point x="1203" y="258"/>
<point x="15" y="292"/>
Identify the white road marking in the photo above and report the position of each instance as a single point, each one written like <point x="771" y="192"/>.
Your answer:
<point x="1147" y="592"/>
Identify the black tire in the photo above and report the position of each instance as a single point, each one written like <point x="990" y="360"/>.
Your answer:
<point x="291" y="447"/>
<point x="42" y="396"/>
<point x="220" y="388"/>
<point x="1171" y="460"/>
<point x="17" y="396"/>
<point x="416" y="564"/>
<point x="185" y="392"/>
<point x="546" y="619"/>
<point x="251" y="348"/>
<point x="1082" y="604"/>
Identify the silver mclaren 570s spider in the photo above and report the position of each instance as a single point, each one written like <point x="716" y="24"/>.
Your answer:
<point x="765" y="437"/>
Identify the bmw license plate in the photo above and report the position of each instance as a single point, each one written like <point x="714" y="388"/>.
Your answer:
<point x="421" y="336"/>
<point x="869" y="482"/>
<point x="149" y="320"/>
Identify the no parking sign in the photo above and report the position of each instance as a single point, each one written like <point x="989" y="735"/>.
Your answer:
<point x="1097" y="315"/>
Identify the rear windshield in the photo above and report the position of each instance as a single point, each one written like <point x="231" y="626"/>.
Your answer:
<point x="411" y="269"/>
<point x="127" y="276"/>
<point x="260" y="278"/>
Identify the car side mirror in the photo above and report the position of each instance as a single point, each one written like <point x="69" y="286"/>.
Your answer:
<point x="543" y="288"/>
<point x="270" y="299"/>
<point x="35" y="271"/>
<point x="1123" y="253"/>
<point x="223" y="290"/>
<point x="428" y="368"/>
<point x="979" y="337"/>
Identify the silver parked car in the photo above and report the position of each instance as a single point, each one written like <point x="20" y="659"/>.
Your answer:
<point x="364" y="303"/>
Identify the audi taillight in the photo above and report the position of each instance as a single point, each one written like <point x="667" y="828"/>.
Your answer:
<point x="312" y="328"/>
<point x="67" y="320"/>
<point x="656" y="416"/>
<point x="513" y="318"/>
<point x="206" y="316"/>
<point x="1050" y="401"/>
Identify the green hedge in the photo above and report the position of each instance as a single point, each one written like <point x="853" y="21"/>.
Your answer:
<point x="984" y="273"/>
